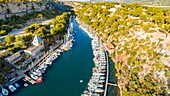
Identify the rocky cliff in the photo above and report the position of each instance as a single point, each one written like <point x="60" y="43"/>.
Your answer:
<point x="9" y="9"/>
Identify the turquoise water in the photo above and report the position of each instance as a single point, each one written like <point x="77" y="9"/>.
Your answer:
<point x="62" y="78"/>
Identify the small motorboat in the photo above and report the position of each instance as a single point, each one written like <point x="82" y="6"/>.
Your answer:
<point x="48" y="61"/>
<point x="33" y="76"/>
<point x="39" y="80"/>
<point x="12" y="88"/>
<point x="81" y="81"/>
<point x="25" y="84"/>
<point x="17" y="85"/>
<point x="25" y="79"/>
<point x="37" y="73"/>
<point x="5" y="91"/>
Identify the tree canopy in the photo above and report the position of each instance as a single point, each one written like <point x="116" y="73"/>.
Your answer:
<point x="136" y="55"/>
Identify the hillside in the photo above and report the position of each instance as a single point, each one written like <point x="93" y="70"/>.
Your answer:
<point x="154" y="2"/>
<point x="145" y="2"/>
<point x="16" y="16"/>
<point x="140" y="36"/>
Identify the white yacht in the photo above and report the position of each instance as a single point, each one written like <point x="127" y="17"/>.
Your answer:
<point x="102" y="78"/>
<point x="48" y="61"/>
<point x="33" y="76"/>
<point x="101" y="81"/>
<point x="98" y="90"/>
<point x="37" y="73"/>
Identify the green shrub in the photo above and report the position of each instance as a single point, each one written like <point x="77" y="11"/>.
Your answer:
<point x="2" y="22"/>
<point x="3" y="32"/>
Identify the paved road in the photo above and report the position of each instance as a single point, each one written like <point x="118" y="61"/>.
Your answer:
<point x="21" y="31"/>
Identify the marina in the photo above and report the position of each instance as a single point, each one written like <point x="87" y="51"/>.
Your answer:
<point x="66" y="74"/>
<point x="87" y="76"/>
<point x="89" y="48"/>
<point x="97" y="85"/>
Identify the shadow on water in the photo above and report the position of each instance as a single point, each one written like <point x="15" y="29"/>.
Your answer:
<point x="112" y="90"/>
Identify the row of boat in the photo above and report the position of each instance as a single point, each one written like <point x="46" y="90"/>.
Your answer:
<point x="37" y="72"/>
<point x="11" y="87"/>
<point x="97" y="82"/>
<point x="35" y="75"/>
<point x="69" y="38"/>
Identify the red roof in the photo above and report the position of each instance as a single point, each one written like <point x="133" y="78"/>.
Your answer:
<point x="109" y="45"/>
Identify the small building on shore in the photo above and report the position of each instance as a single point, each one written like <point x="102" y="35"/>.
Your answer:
<point x="14" y="58"/>
<point x="109" y="47"/>
<point x="19" y="59"/>
<point x="37" y="47"/>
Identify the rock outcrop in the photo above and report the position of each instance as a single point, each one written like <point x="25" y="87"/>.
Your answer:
<point x="19" y="9"/>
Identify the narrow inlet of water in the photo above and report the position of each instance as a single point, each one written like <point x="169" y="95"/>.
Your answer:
<point x="63" y="77"/>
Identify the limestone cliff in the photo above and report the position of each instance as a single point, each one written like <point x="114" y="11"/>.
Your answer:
<point x="9" y="9"/>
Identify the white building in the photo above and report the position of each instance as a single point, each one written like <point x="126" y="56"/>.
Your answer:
<point x="14" y="58"/>
<point x="35" y="50"/>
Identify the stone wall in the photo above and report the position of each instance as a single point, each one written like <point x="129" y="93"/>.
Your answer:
<point x="19" y="9"/>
